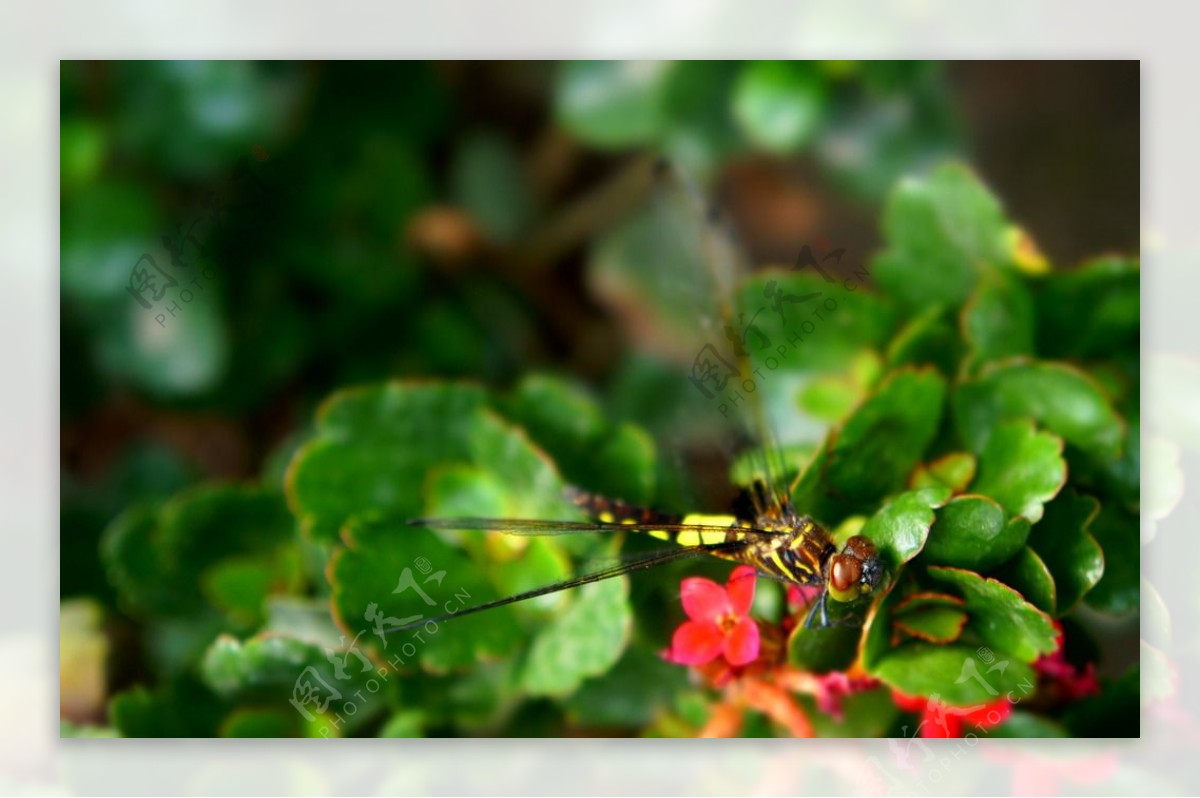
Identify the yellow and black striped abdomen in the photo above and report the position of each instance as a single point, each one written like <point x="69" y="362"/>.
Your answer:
<point x="614" y="511"/>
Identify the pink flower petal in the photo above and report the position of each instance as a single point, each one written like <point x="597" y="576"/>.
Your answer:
<point x="741" y="589"/>
<point x="695" y="643"/>
<point x="703" y="599"/>
<point x="741" y="643"/>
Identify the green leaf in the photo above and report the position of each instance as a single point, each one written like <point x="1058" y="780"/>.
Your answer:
<point x="866" y="714"/>
<point x="1031" y="577"/>
<point x="268" y="667"/>
<point x="1000" y="615"/>
<point x="997" y="320"/>
<point x="877" y="629"/>
<point x="1058" y="396"/>
<point x="1114" y="712"/>
<point x="779" y="104"/>
<point x="615" y="460"/>
<point x="940" y="231"/>
<point x="405" y="723"/>
<point x="1023" y="724"/>
<point x="954" y="470"/>
<point x="252" y="722"/>
<point x="821" y="650"/>
<point x="974" y="532"/>
<point x="160" y="560"/>
<point x="630" y="695"/>
<point x="612" y="104"/>
<point x="1109" y="289"/>
<point x="1118" y="592"/>
<point x="933" y="624"/>
<point x="933" y="617"/>
<point x="367" y="581"/>
<point x="877" y="447"/>
<point x="373" y="447"/>
<point x="701" y="132"/>
<point x="900" y="528"/>
<point x="584" y="641"/>
<point x="1062" y="541"/>
<point x="952" y="673"/>
<point x="1021" y="469"/>
<point x="928" y="338"/>
<point x="181" y="707"/>
<point x="807" y="323"/>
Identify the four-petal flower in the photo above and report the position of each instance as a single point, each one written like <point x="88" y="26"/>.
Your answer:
<point x="719" y="622"/>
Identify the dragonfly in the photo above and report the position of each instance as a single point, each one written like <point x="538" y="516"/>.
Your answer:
<point x="764" y="530"/>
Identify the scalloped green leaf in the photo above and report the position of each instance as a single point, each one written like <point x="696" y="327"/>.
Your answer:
<point x="1110" y="289"/>
<point x="997" y="320"/>
<point x="1058" y="396"/>
<point x="1062" y="541"/>
<point x="582" y="642"/>
<point x="370" y="594"/>
<point x="877" y="448"/>
<point x="373" y="447"/>
<point x="779" y="104"/>
<point x="1031" y="577"/>
<point x="900" y="528"/>
<point x="797" y="321"/>
<point x="939" y="231"/>
<point x="1021" y="468"/>
<point x="974" y="532"/>
<point x="268" y="667"/>
<point x="953" y="673"/>
<point x="1000" y="616"/>
<point x="617" y="460"/>
<point x="631" y="694"/>
<point x="162" y="560"/>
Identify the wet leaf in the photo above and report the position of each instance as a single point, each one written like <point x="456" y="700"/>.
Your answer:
<point x="1000" y="615"/>
<point x="1021" y="469"/>
<point x="1056" y="395"/>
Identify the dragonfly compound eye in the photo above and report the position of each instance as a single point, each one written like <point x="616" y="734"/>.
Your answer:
<point x="845" y="571"/>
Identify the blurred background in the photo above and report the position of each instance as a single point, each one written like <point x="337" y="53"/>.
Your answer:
<point x="240" y="239"/>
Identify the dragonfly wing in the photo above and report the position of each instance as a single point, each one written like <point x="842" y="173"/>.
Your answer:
<point x="621" y="568"/>
<point x="529" y="526"/>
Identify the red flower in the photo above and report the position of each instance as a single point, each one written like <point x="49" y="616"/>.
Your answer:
<point x="832" y="687"/>
<point x="719" y="621"/>
<point x="1066" y="681"/>
<point x="939" y="720"/>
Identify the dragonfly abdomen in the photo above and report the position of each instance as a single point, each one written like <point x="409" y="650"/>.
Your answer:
<point x="615" y="511"/>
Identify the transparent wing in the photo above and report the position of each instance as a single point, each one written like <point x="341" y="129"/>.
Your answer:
<point x="526" y="526"/>
<point x="673" y="272"/>
<point x="625" y="566"/>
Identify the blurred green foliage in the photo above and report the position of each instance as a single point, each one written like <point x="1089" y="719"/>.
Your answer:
<point x="364" y="341"/>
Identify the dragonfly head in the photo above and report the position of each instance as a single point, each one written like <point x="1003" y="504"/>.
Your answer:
<point x="855" y="571"/>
